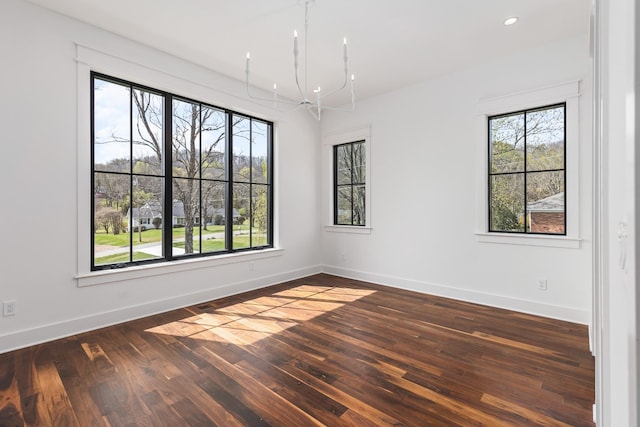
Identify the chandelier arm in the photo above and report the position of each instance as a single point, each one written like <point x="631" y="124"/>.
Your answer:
<point x="338" y="89"/>
<point x="274" y="100"/>
<point x="317" y="116"/>
<point x="353" y="102"/>
<point x="277" y="102"/>
<point x="302" y="95"/>
<point x="352" y="108"/>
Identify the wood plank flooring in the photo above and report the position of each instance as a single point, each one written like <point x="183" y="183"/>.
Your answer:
<point x="316" y="351"/>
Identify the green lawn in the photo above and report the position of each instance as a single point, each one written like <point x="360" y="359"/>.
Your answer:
<point x="123" y="257"/>
<point x="209" y="244"/>
<point x="151" y="236"/>
<point x="212" y="245"/>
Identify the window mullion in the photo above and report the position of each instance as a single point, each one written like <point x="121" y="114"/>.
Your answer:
<point x="93" y="170"/>
<point x="564" y="164"/>
<point x="270" y="183"/>
<point x="167" y="214"/>
<point x="526" y="171"/>
<point x="489" y="175"/>
<point x="228" y="229"/>
<point x="335" y="184"/>
<point x="199" y="157"/>
<point x="131" y="204"/>
<point x="251" y="218"/>
<point x="352" y="183"/>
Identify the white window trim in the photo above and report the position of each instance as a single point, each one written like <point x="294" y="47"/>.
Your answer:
<point x="328" y="142"/>
<point x="568" y="93"/>
<point x="143" y="271"/>
<point x="87" y="60"/>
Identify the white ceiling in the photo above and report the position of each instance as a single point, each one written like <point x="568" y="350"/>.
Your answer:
<point x="391" y="43"/>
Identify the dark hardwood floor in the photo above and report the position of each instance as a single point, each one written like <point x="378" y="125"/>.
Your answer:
<point x="316" y="351"/>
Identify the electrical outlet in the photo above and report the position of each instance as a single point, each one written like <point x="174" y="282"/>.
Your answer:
<point x="542" y="284"/>
<point x="8" y="308"/>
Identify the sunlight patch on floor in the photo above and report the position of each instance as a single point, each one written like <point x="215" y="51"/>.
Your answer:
<point x="252" y="320"/>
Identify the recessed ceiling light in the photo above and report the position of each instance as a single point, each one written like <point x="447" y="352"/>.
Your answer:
<point x="510" y="21"/>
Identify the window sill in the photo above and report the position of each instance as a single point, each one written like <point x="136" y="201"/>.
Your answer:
<point x="144" y="271"/>
<point x="347" y="229"/>
<point x="530" y="240"/>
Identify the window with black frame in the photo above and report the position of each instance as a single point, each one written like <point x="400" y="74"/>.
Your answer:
<point x="175" y="178"/>
<point x="349" y="187"/>
<point x="527" y="170"/>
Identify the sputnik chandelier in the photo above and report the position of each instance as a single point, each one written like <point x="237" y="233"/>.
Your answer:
<point x="316" y="106"/>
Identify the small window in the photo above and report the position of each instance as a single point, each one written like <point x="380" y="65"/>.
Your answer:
<point x="349" y="179"/>
<point x="527" y="170"/>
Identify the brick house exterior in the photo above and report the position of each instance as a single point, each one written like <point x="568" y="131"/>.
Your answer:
<point x="547" y="215"/>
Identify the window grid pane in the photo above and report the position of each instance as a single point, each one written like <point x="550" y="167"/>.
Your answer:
<point x="241" y="208"/>
<point x="111" y="127"/>
<point x="186" y="216"/>
<point x="259" y="149"/>
<point x="507" y="203"/>
<point x="214" y="216"/>
<point x="546" y="203"/>
<point x="259" y="215"/>
<point x="110" y="236"/>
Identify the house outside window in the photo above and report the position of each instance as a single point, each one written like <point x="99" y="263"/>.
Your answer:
<point x="527" y="172"/>
<point x="158" y="156"/>
<point x="349" y="183"/>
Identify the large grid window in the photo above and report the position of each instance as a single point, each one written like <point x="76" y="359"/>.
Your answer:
<point x="527" y="159"/>
<point x="175" y="178"/>
<point x="349" y="179"/>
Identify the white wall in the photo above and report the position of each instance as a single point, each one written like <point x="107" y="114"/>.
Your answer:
<point x="424" y="146"/>
<point x="39" y="215"/>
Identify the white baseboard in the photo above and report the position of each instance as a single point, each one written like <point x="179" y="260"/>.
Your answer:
<point x="50" y="332"/>
<point x="524" y="306"/>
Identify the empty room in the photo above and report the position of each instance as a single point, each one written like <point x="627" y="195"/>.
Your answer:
<point x="314" y="212"/>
